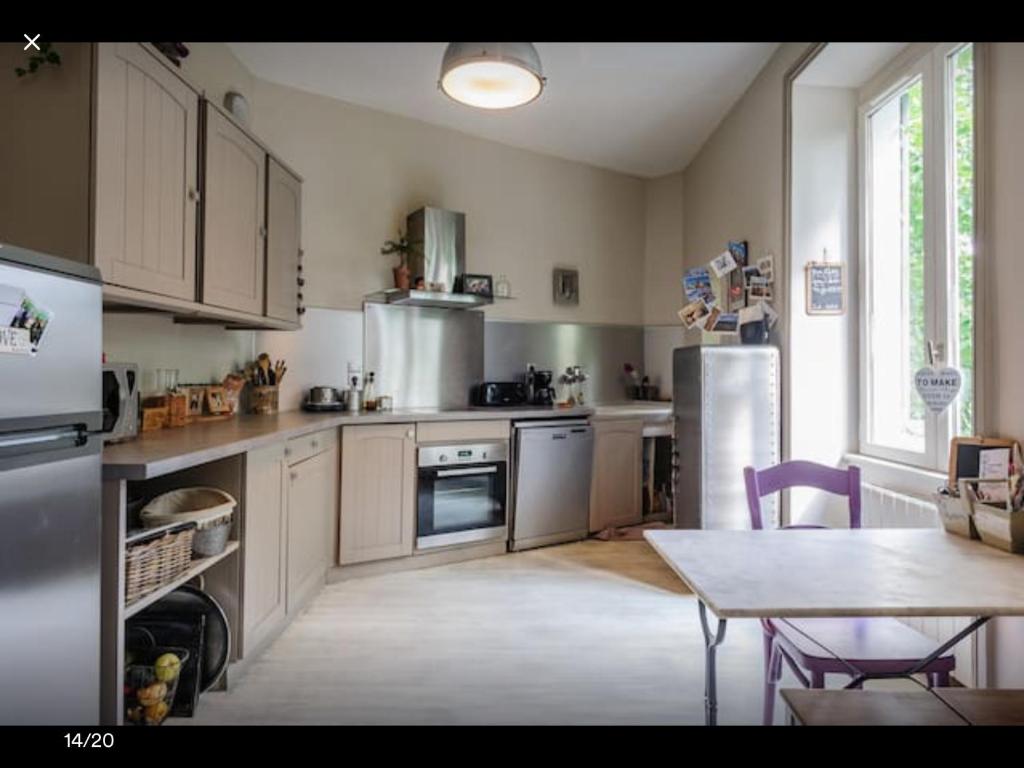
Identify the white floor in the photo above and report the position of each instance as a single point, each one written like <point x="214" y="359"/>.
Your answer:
<point x="589" y="633"/>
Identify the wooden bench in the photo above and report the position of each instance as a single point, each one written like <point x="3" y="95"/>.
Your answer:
<point x="940" y="706"/>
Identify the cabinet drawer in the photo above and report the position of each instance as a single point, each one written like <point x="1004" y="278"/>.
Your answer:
<point x="301" y="448"/>
<point x="448" y="431"/>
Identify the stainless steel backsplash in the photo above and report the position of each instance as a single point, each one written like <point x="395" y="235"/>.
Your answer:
<point x="601" y="350"/>
<point x="431" y="358"/>
<point x="422" y="356"/>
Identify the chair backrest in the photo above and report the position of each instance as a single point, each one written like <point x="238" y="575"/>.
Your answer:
<point x="842" y="482"/>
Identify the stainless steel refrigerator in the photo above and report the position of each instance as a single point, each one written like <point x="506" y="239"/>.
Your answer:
<point x="726" y="410"/>
<point x="50" y="477"/>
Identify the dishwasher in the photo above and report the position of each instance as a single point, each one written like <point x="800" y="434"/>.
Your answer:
<point x="551" y="481"/>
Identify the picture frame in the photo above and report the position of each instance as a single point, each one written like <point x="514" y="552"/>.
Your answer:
<point x="478" y="285"/>
<point x="964" y="455"/>
<point x="566" y="288"/>
<point x="216" y="400"/>
<point x="196" y="401"/>
<point x="825" y="287"/>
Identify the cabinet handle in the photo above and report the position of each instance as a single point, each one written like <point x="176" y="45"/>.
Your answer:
<point x="287" y="451"/>
<point x="299" y="295"/>
<point x="301" y="281"/>
<point x="193" y="195"/>
<point x="315" y="444"/>
<point x="301" y="310"/>
<point x="263" y="231"/>
<point x="294" y="476"/>
<point x="301" y="253"/>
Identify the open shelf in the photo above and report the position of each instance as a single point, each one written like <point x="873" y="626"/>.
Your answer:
<point x="198" y="566"/>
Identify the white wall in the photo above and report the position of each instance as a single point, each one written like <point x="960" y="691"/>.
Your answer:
<point x="822" y="417"/>
<point x="663" y="250"/>
<point x="526" y="213"/>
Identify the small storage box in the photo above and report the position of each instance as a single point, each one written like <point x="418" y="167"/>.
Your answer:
<point x="956" y="514"/>
<point x="999" y="527"/>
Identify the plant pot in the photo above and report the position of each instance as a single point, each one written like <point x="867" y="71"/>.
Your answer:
<point x="402" y="275"/>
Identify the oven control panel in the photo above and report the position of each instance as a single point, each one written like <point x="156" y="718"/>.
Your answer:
<point x="475" y="453"/>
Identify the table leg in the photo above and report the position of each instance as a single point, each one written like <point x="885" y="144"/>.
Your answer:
<point x="964" y="633"/>
<point x="711" y="642"/>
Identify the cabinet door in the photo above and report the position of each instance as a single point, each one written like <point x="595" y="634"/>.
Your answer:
<point x="378" y="486"/>
<point x="145" y="174"/>
<point x="233" y="217"/>
<point x="616" y="484"/>
<point x="263" y="544"/>
<point x="312" y="501"/>
<point x="284" y="221"/>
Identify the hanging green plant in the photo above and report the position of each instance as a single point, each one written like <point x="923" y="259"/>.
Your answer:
<point x="45" y="55"/>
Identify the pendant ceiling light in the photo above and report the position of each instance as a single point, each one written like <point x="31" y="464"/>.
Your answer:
<point x="491" y="75"/>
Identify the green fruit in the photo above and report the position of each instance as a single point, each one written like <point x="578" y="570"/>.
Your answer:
<point x="167" y="667"/>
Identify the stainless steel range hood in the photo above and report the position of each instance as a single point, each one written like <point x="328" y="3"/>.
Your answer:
<point x="439" y="257"/>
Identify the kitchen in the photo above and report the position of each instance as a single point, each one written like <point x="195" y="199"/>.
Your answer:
<point x="399" y="346"/>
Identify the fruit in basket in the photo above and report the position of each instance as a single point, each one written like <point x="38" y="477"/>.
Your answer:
<point x="155" y="713"/>
<point x="167" y="667"/>
<point x="151" y="694"/>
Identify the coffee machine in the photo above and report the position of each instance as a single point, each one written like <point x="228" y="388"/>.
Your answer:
<point x="539" y="389"/>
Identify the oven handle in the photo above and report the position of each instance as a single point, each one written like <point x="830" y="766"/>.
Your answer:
<point x="467" y="471"/>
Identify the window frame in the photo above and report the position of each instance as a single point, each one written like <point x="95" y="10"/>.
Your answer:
<point x="932" y="67"/>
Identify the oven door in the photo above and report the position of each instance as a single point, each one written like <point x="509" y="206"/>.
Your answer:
<point x="459" y="504"/>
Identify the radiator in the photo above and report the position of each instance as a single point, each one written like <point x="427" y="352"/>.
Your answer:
<point x="883" y="508"/>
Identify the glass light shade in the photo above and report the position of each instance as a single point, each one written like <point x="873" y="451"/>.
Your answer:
<point x="491" y="75"/>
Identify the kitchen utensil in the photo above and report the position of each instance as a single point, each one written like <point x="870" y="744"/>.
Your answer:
<point x="263" y="363"/>
<point x="279" y="371"/>
<point x="217" y="641"/>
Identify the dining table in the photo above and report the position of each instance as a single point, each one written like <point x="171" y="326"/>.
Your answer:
<point x="807" y="573"/>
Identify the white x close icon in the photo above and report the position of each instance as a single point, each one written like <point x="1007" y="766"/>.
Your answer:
<point x="31" y="43"/>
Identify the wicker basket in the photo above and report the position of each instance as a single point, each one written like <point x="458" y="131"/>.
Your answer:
<point x="151" y="564"/>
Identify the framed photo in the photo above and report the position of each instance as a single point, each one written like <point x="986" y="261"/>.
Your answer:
<point x="825" y="287"/>
<point x="196" y="398"/>
<point x="479" y="285"/>
<point x="566" y="286"/>
<point x="216" y="400"/>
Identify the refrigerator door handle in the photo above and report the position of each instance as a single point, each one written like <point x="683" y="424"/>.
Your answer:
<point x="26" y="449"/>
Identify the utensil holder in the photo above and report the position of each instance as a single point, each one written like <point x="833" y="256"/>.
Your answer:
<point x="263" y="400"/>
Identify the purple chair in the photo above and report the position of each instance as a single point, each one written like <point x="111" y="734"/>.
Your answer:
<point x="871" y="645"/>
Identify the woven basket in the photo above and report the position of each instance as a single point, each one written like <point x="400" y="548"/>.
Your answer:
<point x="152" y="564"/>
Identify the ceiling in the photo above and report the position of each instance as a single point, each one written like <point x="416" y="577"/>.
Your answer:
<point x="639" y="108"/>
<point x="848" y="65"/>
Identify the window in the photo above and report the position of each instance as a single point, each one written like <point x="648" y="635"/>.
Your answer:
<point x="917" y="253"/>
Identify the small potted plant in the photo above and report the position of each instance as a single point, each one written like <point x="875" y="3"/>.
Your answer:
<point x="403" y="247"/>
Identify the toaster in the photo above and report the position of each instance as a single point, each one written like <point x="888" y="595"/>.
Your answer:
<point x="120" y="401"/>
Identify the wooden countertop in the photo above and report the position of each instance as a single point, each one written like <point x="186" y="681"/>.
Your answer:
<point x="153" y="454"/>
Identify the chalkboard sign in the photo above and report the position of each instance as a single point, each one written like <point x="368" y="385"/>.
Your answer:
<point x="826" y="288"/>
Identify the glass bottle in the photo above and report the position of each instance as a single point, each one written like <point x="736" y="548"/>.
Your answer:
<point x="369" y="396"/>
<point x="503" y="288"/>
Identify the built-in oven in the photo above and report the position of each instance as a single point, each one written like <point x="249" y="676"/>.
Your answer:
<point x="461" y="494"/>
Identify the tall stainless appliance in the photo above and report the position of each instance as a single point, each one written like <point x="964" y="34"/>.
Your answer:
<point x="726" y="411"/>
<point x="553" y="460"/>
<point x="50" y="475"/>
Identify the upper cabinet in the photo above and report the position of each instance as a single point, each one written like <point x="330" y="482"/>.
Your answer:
<point x="146" y="168"/>
<point x="284" y="248"/>
<point x="234" y="217"/>
<point x="115" y="159"/>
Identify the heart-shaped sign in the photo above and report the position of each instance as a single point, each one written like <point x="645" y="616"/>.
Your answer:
<point x="937" y="388"/>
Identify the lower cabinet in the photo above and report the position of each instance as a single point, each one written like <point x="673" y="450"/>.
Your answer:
<point x="616" y="484"/>
<point x="291" y="496"/>
<point x="378" y="492"/>
<point x="264" y="531"/>
<point x="312" y="492"/>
